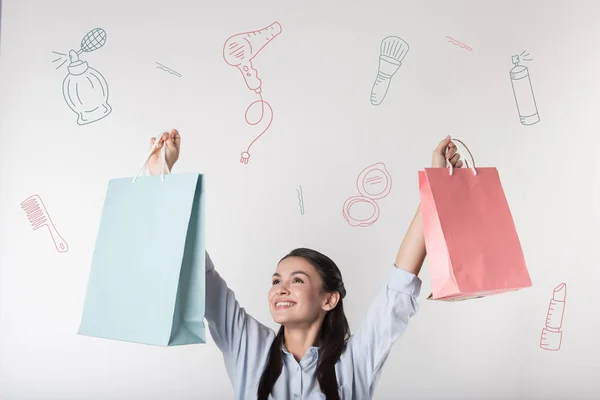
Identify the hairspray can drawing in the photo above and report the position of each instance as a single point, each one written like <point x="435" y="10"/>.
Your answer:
<point x="521" y="84"/>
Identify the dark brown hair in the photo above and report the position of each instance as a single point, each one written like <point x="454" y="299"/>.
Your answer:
<point x="333" y="335"/>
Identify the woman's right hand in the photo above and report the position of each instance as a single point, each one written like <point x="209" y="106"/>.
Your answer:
<point x="173" y="142"/>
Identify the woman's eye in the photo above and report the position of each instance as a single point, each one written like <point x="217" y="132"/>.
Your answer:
<point x="298" y="280"/>
<point x="275" y="282"/>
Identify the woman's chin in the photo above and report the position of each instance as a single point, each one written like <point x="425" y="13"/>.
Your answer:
<point x="280" y="319"/>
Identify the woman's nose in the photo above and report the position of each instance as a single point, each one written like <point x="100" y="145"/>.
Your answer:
<point x="282" y="289"/>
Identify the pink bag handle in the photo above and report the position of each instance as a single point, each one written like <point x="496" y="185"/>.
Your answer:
<point x="461" y="156"/>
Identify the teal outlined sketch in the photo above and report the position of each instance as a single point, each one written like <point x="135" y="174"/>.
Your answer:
<point x="169" y="70"/>
<point x="391" y="53"/>
<point x="523" y="92"/>
<point x="300" y="200"/>
<point x="84" y="89"/>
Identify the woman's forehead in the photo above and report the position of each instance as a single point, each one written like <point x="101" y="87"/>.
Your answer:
<point x="294" y="264"/>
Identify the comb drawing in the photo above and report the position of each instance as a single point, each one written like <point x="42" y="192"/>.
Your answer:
<point x="551" y="337"/>
<point x="373" y="183"/>
<point x="522" y="90"/>
<point x="300" y="200"/>
<point x="169" y="70"/>
<point x="238" y="51"/>
<point x="84" y="89"/>
<point x="38" y="216"/>
<point x="459" y="44"/>
<point x="392" y="51"/>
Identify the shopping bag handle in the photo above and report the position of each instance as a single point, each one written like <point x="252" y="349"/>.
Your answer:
<point x="163" y="160"/>
<point x="461" y="156"/>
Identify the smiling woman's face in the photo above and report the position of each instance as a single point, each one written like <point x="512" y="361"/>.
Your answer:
<point x="296" y="296"/>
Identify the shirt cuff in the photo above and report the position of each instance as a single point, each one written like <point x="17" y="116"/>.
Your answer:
<point x="404" y="281"/>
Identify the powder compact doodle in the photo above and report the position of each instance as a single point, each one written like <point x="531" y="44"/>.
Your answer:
<point x="373" y="183"/>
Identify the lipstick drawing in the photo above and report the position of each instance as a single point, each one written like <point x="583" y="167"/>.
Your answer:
<point x="551" y="337"/>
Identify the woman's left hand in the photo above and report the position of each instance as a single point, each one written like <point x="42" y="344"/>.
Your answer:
<point x="438" y="160"/>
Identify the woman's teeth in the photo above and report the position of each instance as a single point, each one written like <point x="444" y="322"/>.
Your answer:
<point x="284" y="304"/>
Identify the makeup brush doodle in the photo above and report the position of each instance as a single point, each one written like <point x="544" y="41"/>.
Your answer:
<point x="169" y="70"/>
<point x="459" y="44"/>
<point x="523" y="92"/>
<point x="392" y="51"/>
<point x="238" y="51"/>
<point x="38" y="216"/>
<point x="84" y="89"/>
<point x="373" y="183"/>
<point x="551" y="337"/>
<point x="300" y="200"/>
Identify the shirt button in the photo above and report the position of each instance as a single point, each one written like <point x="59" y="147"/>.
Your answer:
<point x="296" y="395"/>
<point x="297" y="368"/>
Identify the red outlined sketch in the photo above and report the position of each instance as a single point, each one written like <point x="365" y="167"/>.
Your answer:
<point x="38" y="216"/>
<point x="459" y="44"/>
<point x="551" y="337"/>
<point x="373" y="183"/>
<point x="239" y="51"/>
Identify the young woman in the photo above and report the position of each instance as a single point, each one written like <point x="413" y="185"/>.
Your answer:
<point x="313" y="355"/>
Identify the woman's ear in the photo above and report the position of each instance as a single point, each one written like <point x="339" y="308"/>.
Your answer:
<point x="331" y="300"/>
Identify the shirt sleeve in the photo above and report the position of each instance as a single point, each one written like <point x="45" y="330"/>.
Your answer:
<point x="386" y="320"/>
<point x="232" y="329"/>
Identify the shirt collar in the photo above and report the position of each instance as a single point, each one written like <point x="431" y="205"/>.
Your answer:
<point x="311" y="350"/>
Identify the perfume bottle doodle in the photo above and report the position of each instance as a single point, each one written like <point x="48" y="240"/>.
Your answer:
<point x="523" y="92"/>
<point x="551" y="337"/>
<point x="373" y="183"/>
<point x="391" y="53"/>
<point x="239" y="51"/>
<point x="84" y="88"/>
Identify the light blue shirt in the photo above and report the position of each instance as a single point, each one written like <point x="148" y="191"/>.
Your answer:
<point x="245" y="342"/>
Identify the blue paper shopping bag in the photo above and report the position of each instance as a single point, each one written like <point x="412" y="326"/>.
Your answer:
<point x="147" y="279"/>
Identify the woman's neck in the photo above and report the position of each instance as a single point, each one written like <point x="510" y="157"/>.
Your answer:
<point x="299" y="339"/>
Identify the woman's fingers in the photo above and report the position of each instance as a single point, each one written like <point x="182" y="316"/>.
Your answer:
<point x="174" y="139"/>
<point x="442" y="145"/>
<point x="451" y="151"/>
<point x="454" y="159"/>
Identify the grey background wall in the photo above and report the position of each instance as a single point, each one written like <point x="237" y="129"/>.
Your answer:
<point x="317" y="76"/>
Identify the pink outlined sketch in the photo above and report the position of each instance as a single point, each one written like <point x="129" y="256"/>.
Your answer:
<point x="551" y="337"/>
<point x="38" y="216"/>
<point x="238" y="51"/>
<point x="373" y="183"/>
<point x="459" y="44"/>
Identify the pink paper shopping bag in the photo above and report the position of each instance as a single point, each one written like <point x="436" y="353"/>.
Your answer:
<point x="473" y="249"/>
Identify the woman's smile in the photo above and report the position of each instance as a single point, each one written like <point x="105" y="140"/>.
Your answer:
<point x="284" y="304"/>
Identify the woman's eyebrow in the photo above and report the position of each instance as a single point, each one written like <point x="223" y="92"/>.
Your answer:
<point x="293" y="273"/>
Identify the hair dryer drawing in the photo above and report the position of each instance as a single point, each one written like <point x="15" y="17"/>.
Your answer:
<point x="240" y="49"/>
